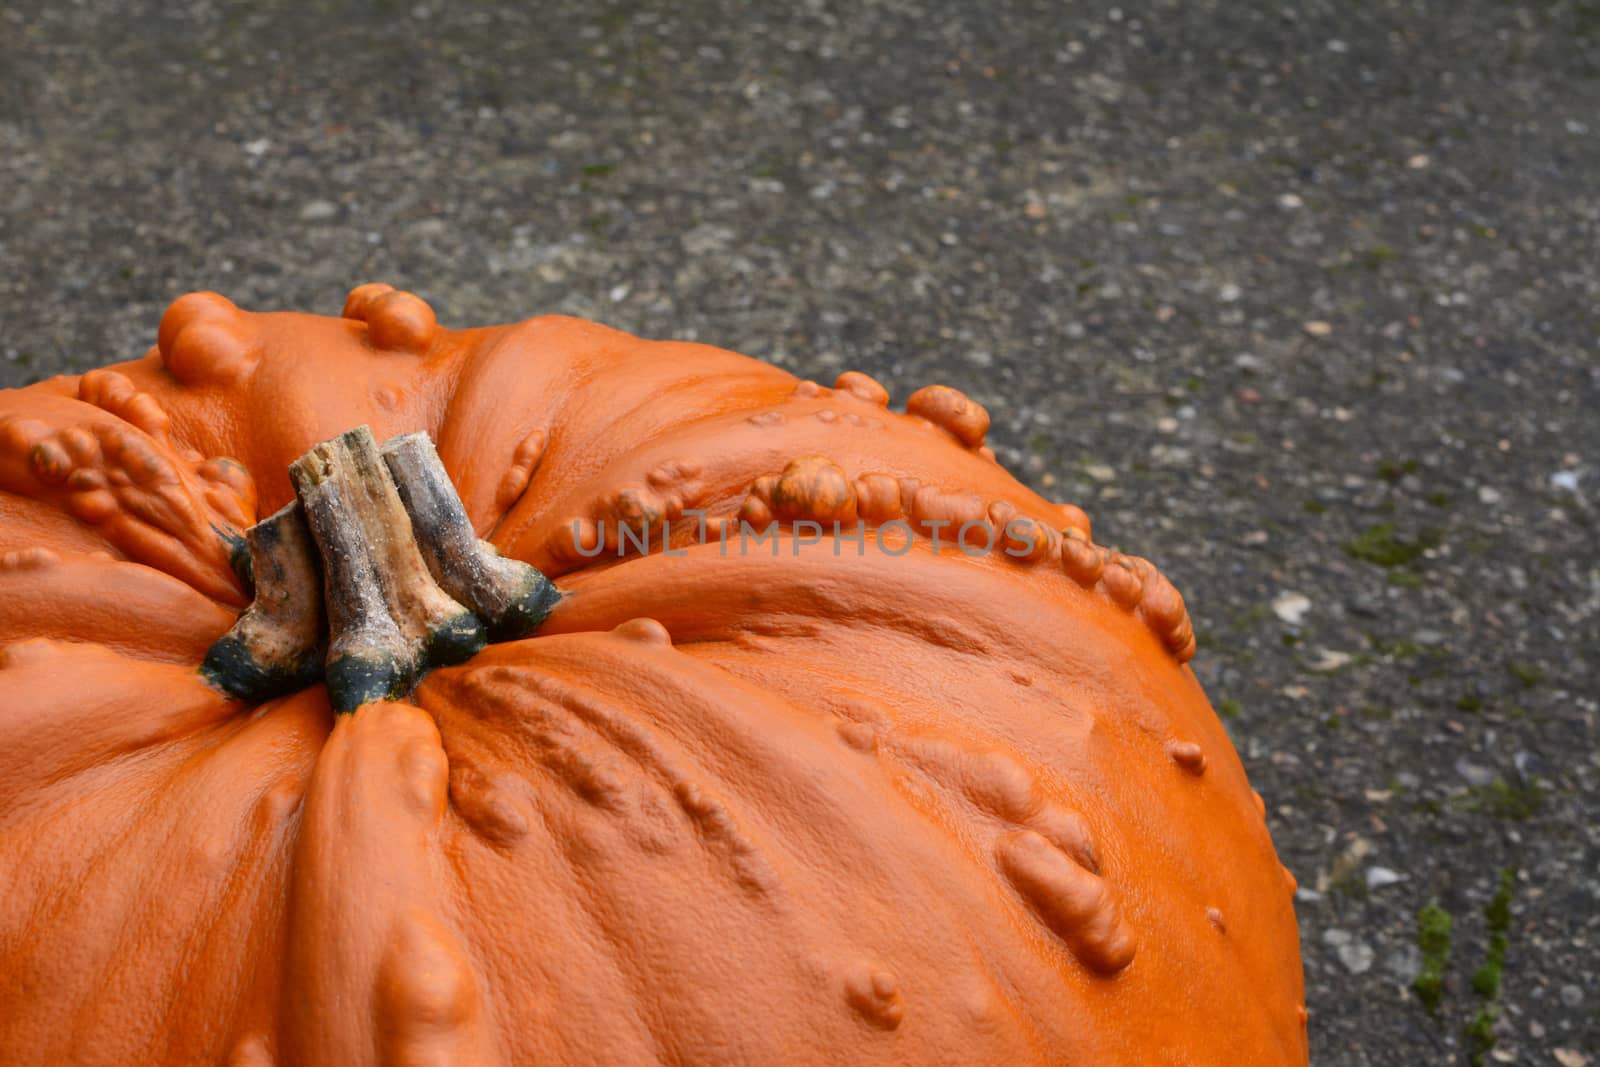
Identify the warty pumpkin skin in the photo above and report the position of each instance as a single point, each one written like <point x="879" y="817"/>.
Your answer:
<point x="852" y="802"/>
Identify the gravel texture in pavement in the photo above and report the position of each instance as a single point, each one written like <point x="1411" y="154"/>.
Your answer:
<point x="1300" y="300"/>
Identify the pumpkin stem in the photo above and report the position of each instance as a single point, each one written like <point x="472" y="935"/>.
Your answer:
<point x="512" y="597"/>
<point x="275" y="647"/>
<point x="380" y="542"/>
<point x="388" y="618"/>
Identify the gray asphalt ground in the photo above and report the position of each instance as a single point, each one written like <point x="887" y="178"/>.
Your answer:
<point x="1299" y="300"/>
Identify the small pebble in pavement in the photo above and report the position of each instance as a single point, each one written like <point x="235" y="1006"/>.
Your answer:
<point x="1474" y="773"/>
<point x="1291" y="606"/>
<point x="1378" y="877"/>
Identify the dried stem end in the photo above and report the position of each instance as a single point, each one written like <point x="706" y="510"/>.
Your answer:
<point x="389" y="619"/>
<point x="512" y="597"/>
<point x="381" y="545"/>
<point x="276" y="646"/>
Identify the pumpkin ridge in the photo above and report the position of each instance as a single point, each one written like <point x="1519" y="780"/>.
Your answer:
<point x="802" y="422"/>
<point x="655" y="751"/>
<point x="535" y="674"/>
<point x="262" y="854"/>
<point x="190" y="765"/>
<point x="813" y="489"/>
<point x="62" y="596"/>
<point x="1036" y="883"/>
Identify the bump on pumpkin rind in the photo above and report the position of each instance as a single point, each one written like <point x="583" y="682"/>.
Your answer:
<point x="204" y="340"/>
<point x="107" y="458"/>
<point x="1076" y="904"/>
<point x="813" y="488"/>
<point x="952" y="411"/>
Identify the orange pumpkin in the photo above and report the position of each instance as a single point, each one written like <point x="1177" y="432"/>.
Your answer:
<point x="789" y="800"/>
